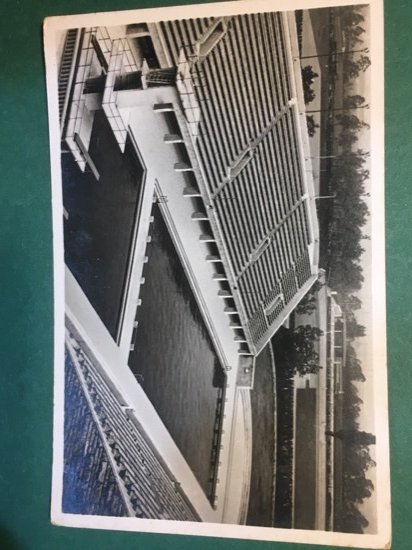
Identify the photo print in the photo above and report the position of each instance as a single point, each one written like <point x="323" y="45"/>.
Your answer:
<point x="217" y="183"/>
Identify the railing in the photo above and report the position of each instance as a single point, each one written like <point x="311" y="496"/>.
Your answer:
<point x="216" y="444"/>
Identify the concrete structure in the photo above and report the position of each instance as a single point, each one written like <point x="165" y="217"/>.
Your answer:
<point x="214" y="109"/>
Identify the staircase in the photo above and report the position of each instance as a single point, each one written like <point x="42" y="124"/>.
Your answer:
<point x="66" y="71"/>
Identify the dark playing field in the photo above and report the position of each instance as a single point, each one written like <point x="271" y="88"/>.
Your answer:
<point x="305" y="459"/>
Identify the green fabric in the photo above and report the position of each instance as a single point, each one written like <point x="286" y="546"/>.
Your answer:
<point x="26" y="351"/>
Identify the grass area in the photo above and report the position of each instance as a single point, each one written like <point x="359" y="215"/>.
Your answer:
<point x="260" y="511"/>
<point x="305" y="459"/>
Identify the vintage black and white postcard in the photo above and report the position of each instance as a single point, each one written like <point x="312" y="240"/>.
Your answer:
<point x="220" y="348"/>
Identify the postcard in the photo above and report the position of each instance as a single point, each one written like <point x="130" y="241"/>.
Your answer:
<point x="218" y="218"/>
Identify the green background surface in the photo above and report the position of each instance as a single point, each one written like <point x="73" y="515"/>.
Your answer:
<point x="26" y="286"/>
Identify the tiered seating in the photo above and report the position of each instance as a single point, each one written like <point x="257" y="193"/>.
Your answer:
<point x="248" y="146"/>
<point x="148" y="488"/>
<point x="66" y="70"/>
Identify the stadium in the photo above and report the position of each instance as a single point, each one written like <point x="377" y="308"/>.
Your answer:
<point x="191" y="235"/>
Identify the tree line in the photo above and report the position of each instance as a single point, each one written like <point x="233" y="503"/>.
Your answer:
<point x="343" y="241"/>
<point x="301" y="358"/>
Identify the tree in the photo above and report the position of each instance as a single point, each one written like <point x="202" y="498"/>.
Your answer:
<point x="308" y="78"/>
<point x="364" y="175"/>
<point x="347" y="139"/>
<point x="351" y="122"/>
<point x="296" y="350"/>
<point x="350" y="17"/>
<point x="352" y="303"/>
<point x="353" y="437"/>
<point x="312" y="125"/>
<point x="354" y="34"/>
<point x="345" y="234"/>
<point x="302" y="357"/>
<point x="353" y="329"/>
<point x="352" y="69"/>
<point x="353" y="371"/>
<point x="353" y="101"/>
<point x="352" y="404"/>
<point x="307" y="305"/>
<point x="346" y="275"/>
<point x="358" y="488"/>
<point x="364" y="460"/>
<point x="352" y="521"/>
